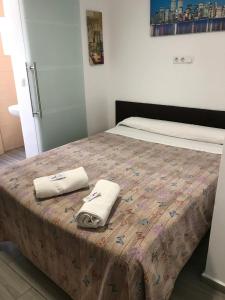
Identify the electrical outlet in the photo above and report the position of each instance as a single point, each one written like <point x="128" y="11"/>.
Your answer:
<point x="183" y="60"/>
<point x="176" y="60"/>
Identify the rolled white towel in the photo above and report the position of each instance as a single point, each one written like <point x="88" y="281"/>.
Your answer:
<point x="96" y="209"/>
<point x="61" y="183"/>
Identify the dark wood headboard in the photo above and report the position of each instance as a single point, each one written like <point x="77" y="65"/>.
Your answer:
<point x="210" y="118"/>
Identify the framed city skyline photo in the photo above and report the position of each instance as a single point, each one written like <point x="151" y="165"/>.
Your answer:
<point x="95" y="37"/>
<point x="171" y="17"/>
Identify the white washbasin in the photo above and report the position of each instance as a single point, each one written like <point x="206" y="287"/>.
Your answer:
<point x="14" y="110"/>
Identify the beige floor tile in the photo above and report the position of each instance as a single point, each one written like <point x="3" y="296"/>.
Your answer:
<point x="31" y="295"/>
<point x="37" y="279"/>
<point x="10" y="158"/>
<point x="5" y="294"/>
<point x="5" y="257"/>
<point x="11" y="282"/>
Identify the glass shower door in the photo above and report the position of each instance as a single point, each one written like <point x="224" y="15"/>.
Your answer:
<point x="52" y="37"/>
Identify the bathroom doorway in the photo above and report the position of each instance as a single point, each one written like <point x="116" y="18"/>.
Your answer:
<point x="11" y="136"/>
<point x="47" y="63"/>
<point x="19" y="110"/>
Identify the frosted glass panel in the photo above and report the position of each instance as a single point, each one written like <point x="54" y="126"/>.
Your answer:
<point x="53" y="133"/>
<point x="57" y="11"/>
<point x="69" y="80"/>
<point x="53" y="39"/>
<point x="54" y="44"/>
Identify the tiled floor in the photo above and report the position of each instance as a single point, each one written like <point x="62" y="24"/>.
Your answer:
<point x="9" y="158"/>
<point x="20" y="280"/>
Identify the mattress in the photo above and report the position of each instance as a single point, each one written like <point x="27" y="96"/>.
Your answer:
<point x="164" y="209"/>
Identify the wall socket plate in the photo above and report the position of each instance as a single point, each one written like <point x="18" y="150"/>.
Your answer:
<point x="183" y="59"/>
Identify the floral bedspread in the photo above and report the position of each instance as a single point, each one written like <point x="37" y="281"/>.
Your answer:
<point x="164" y="209"/>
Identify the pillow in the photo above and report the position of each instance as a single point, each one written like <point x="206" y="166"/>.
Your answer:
<point x="175" y="129"/>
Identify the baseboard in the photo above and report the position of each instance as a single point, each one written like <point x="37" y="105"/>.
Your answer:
<point x="217" y="284"/>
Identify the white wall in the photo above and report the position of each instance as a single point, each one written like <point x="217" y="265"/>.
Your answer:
<point x="215" y="267"/>
<point x="96" y="77"/>
<point x="142" y="68"/>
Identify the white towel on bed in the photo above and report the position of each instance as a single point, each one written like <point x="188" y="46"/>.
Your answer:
<point x="61" y="183"/>
<point x="97" y="207"/>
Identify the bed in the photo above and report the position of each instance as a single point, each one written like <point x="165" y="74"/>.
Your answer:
<point x="164" y="209"/>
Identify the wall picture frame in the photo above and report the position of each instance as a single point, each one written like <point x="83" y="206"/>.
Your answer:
<point x="172" y="17"/>
<point x="95" y="37"/>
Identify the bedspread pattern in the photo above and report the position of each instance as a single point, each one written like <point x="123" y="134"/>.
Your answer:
<point x="165" y="207"/>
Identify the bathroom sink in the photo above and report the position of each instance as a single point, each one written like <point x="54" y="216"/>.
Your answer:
<point x="14" y="110"/>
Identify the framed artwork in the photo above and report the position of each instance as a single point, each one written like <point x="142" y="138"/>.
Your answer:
<point x="95" y="37"/>
<point x="171" y="17"/>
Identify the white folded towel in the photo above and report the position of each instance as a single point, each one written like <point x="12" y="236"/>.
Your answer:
<point x="61" y="183"/>
<point x="95" y="212"/>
